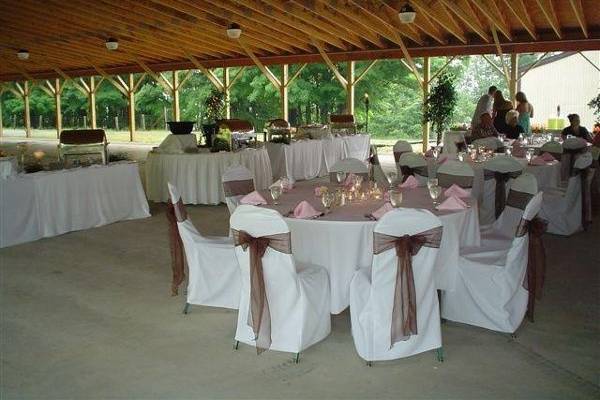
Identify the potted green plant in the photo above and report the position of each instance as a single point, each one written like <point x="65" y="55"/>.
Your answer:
<point x="440" y="104"/>
<point x="214" y="108"/>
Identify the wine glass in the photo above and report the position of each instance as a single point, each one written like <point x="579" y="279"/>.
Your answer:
<point x="529" y="155"/>
<point x="432" y="182"/>
<point x="392" y="179"/>
<point x="436" y="152"/>
<point x="327" y="200"/>
<point x="435" y="191"/>
<point x="276" y="193"/>
<point x="508" y="151"/>
<point x="461" y="156"/>
<point x="340" y="176"/>
<point x="395" y="198"/>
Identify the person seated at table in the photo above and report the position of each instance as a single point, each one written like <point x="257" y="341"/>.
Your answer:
<point x="485" y="128"/>
<point x="501" y="107"/>
<point x="513" y="130"/>
<point x="596" y="139"/>
<point x="575" y="129"/>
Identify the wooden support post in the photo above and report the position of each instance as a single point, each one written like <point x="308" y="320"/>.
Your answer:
<point x="175" y="91"/>
<point x="1" y="124"/>
<point x="92" y="100"/>
<point x="226" y="84"/>
<point x="283" y="91"/>
<point x="425" y="87"/>
<point x="131" y="106"/>
<point x="58" y="112"/>
<point x="350" y="88"/>
<point x="514" y="73"/>
<point x="26" y="93"/>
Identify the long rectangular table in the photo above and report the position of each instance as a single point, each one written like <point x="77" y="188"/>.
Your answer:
<point x="309" y="159"/>
<point x="50" y="203"/>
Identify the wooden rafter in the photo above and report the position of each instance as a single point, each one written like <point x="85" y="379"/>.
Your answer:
<point x="580" y="15"/>
<point x="499" y="52"/>
<point x="532" y="65"/>
<point x="590" y="61"/>
<point x="521" y="13"/>
<point x="463" y="10"/>
<point x="438" y="12"/>
<point x="330" y="64"/>
<point x="494" y="16"/>
<point x="296" y="74"/>
<point x="441" y="69"/>
<point x="550" y="13"/>
<point x="265" y="70"/>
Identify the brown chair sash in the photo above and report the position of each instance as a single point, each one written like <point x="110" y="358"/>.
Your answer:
<point x="517" y="199"/>
<point x="176" y="213"/>
<point x="586" y="175"/>
<point x="501" y="178"/>
<point x="404" y="311"/>
<point x="536" y="260"/>
<point x="411" y="171"/>
<point x="567" y="161"/>
<point x="447" y="180"/>
<point x="397" y="155"/>
<point x="259" y="316"/>
<point x="238" y="188"/>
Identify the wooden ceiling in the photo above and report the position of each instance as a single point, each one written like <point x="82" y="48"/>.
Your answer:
<point x="70" y="34"/>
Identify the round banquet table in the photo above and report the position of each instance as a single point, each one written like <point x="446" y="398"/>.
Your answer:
<point x="342" y="241"/>
<point x="197" y="176"/>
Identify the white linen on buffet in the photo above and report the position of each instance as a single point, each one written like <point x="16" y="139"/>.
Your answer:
<point x="51" y="203"/>
<point x="309" y="159"/>
<point x="198" y="175"/>
<point x="342" y="241"/>
<point x="178" y="144"/>
<point x="8" y="167"/>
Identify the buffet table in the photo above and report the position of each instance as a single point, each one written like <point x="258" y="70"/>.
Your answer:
<point x="50" y="203"/>
<point x="342" y="241"/>
<point x="309" y="159"/>
<point x="197" y="176"/>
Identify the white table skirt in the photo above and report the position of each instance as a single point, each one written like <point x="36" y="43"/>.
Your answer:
<point x="309" y="159"/>
<point x="342" y="247"/>
<point x="45" y="204"/>
<point x="198" y="176"/>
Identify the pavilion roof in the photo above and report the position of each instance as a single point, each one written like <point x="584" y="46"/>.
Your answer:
<point x="167" y="34"/>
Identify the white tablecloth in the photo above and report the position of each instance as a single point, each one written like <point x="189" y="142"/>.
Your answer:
<point x="8" y="167"/>
<point x="308" y="159"/>
<point x="342" y="241"/>
<point x="178" y="144"/>
<point x="198" y="176"/>
<point x="45" y="204"/>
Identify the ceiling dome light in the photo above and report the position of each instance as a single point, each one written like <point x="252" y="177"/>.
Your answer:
<point x="407" y="14"/>
<point x="234" y="31"/>
<point x="112" y="44"/>
<point x="23" y="54"/>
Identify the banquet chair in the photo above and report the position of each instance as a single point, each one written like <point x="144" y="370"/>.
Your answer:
<point x="401" y="147"/>
<point x="552" y="147"/>
<point x="413" y="164"/>
<point x="454" y="172"/>
<point x="490" y="143"/>
<point x="238" y="181"/>
<point x="454" y="142"/>
<point x="569" y="211"/>
<point x="571" y="149"/>
<point x="489" y="291"/>
<point x="214" y="274"/>
<point x="499" y="234"/>
<point x="379" y="293"/>
<point x="349" y="166"/>
<point x="377" y="173"/>
<point x="498" y="174"/>
<point x="293" y="298"/>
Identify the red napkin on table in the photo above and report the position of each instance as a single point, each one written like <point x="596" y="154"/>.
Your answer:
<point x="457" y="191"/>
<point x="253" y="199"/>
<point x="305" y="210"/>
<point x="381" y="211"/>
<point x="410" y="183"/>
<point x="452" y="203"/>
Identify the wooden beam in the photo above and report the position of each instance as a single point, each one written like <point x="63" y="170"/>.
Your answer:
<point x="296" y="74"/>
<point x="550" y="13"/>
<point x="500" y="54"/>
<point x="425" y="89"/>
<point x="226" y="92"/>
<point x="580" y="15"/>
<point x="120" y="85"/>
<point x="175" y="96"/>
<point x="438" y="12"/>
<point x="463" y="10"/>
<point x="57" y="103"/>
<point x="131" y="105"/>
<point x="493" y="64"/>
<point x="514" y="72"/>
<point x="520" y="12"/>
<point x="350" y="88"/>
<point x="283" y="92"/>
<point x="67" y="78"/>
<point x="157" y="77"/>
<point x="209" y="74"/>
<point x="139" y="82"/>
<point x="494" y="16"/>
<point x="442" y="69"/>
<point x="26" y="94"/>
<point x="330" y="64"/>
<point x="364" y="72"/>
<point x="588" y="60"/>
<point x="92" y="102"/>
<point x="237" y="76"/>
<point x="266" y="71"/>
<point x="533" y="64"/>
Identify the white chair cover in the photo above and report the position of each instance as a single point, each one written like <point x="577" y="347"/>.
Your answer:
<point x="574" y="143"/>
<point x="489" y="290"/>
<point x="298" y="294"/>
<point x="236" y="173"/>
<point x="551" y="147"/>
<point x="401" y="147"/>
<point x="561" y="209"/>
<point x="491" y="143"/>
<point x="350" y="165"/>
<point x="372" y="293"/>
<point x="451" y="139"/>
<point x="455" y="172"/>
<point x="214" y="274"/>
<point x="414" y="161"/>
<point x="500" y="163"/>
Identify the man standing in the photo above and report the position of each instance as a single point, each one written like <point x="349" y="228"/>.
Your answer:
<point x="484" y="105"/>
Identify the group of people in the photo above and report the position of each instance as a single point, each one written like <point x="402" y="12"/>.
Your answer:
<point x="494" y="115"/>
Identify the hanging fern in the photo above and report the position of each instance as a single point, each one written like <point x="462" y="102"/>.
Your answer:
<point x="440" y="105"/>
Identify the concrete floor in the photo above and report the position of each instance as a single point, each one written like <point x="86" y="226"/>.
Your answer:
<point x="89" y="315"/>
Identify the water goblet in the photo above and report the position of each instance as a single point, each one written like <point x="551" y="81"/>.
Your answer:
<point x="395" y="198"/>
<point x="529" y="155"/>
<point x="508" y="151"/>
<point x="435" y="192"/>
<point x="392" y="179"/>
<point x="327" y="200"/>
<point x="432" y="182"/>
<point x="461" y="156"/>
<point x="340" y="176"/>
<point x="276" y="193"/>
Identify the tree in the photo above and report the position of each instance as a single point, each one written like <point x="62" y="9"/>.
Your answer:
<point x="439" y="106"/>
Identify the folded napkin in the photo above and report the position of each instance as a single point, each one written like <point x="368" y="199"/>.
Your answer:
<point x="548" y="157"/>
<point x="305" y="210"/>
<point x="410" y="183"/>
<point x="456" y="191"/>
<point x="253" y="199"/>
<point x="381" y="211"/>
<point x="539" y="160"/>
<point x="452" y="203"/>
